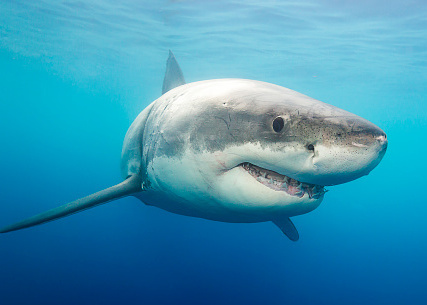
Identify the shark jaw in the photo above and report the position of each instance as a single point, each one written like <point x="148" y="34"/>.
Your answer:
<point x="283" y="183"/>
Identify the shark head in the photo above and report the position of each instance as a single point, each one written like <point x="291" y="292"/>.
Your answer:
<point x="253" y="149"/>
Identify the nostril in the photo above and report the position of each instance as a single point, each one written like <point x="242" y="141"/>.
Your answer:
<point x="382" y="138"/>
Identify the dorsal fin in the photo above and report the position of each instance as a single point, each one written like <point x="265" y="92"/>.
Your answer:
<point x="128" y="187"/>
<point x="287" y="227"/>
<point x="173" y="76"/>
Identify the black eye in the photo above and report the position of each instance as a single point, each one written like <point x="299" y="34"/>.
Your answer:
<point x="310" y="147"/>
<point x="278" y="124"/>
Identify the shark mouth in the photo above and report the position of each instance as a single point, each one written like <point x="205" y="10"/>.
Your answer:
<point x="283" y="183"/>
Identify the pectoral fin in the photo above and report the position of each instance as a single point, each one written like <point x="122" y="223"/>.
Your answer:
<point x="287" y="227"/>
<point x="129" y="186"/>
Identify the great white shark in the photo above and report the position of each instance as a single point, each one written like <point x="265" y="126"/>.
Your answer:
<point x="235" y="150"/>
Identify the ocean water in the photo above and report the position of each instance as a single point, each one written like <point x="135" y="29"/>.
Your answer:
<point x="74" y="75"/>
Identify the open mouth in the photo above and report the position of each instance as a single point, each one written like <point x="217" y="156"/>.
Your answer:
<point x="283" y="183"/>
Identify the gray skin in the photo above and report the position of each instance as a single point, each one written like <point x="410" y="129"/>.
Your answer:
<point x="188" y="153"/>
<point x="220" y="119"/>
<point x="202" y="118"/>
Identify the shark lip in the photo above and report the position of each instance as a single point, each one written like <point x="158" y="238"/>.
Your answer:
<point x="283" y="183"/>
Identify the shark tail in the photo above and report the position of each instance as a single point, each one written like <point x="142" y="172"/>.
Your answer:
<point x="128" y="187"/>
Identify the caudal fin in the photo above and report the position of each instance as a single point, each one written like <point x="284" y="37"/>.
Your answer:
<point x="126" y="188"/>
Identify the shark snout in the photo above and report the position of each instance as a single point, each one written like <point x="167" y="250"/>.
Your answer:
<point x="382" y="140"/>
<point x="348" y="157"/>
<point x="379" y="140"/>
<point x="383" y="143"/>
<point x="365" y="135"/>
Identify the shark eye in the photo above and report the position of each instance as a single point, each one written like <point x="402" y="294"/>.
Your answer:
<point x="310" y="147"/>
<point x="278" y="124"/>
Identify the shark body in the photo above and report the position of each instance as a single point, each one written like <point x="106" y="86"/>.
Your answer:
<point x="236" y="150"/>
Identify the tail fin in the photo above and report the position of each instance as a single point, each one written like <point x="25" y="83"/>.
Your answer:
<point x="126" y="188"/>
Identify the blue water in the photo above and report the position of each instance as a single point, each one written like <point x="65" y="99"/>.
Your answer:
<point x="74" y="75"/>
